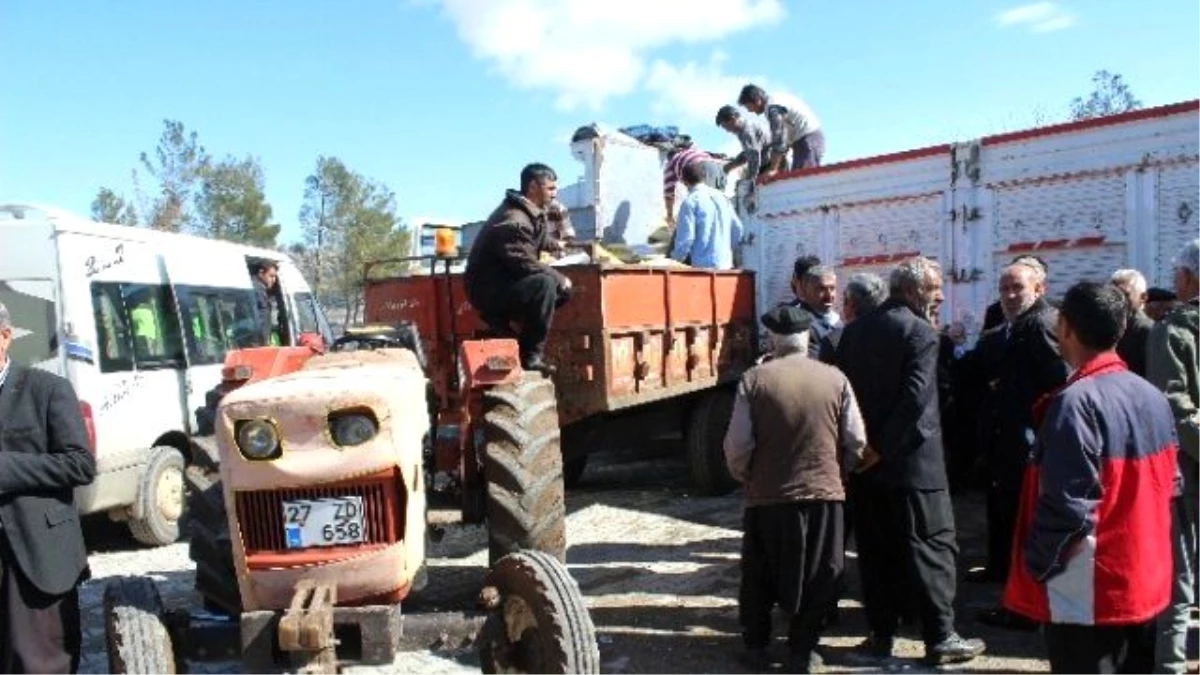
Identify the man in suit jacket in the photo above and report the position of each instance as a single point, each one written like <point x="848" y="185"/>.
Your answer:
<point x="903" y="515"/>
<point x="44" y="456"/>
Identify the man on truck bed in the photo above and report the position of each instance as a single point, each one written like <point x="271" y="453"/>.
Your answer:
<point x="793" y="126"/>
<point x="709" y="229"/>
<point x="677" y="160"/>
<point x="754" y="141"/>
<point x="505" y="280"/>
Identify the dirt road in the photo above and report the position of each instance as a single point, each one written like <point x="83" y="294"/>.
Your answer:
<point x="659" y="568"/>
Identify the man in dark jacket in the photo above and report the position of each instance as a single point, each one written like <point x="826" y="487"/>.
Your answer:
<point x="44" y="456"/>
<point x="266" y="275"/>
<point x="1027" y="366"/>
<point x="903" y="516"/>
<point x="1132" y="347"/>
<point x="505" y="279"/>
<point x="1094" y="526"/>
<point x="794" y="434"/>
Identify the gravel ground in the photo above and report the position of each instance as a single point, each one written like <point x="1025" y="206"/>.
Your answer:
<point x="659" y="569"/>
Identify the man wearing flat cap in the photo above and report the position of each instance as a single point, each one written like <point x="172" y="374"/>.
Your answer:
<point x="795" y="434"/>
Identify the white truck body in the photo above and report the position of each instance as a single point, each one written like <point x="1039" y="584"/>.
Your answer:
<point x="139" y="322"/>
<point x="1088" y="197"/>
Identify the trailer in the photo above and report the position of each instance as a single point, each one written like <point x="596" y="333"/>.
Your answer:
<point x="640" y="351"/>
<point x="1088" y="197"/>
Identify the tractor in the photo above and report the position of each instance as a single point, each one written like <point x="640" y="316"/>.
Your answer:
<point x="307" y="515"/>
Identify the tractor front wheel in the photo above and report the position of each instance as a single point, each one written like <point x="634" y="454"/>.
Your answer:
<point x="537" y="620"/>
<point x="522" y="466"/>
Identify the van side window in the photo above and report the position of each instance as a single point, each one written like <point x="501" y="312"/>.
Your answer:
<point x="113" y="337"/>
<point x="155" y="325"/>
<point x="306" y="313"/>
<point x="218" y="320"/>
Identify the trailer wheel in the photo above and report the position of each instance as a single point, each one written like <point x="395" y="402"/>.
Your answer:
<point x="135" y="633"/>
<point x="522" y="465"/>
<point x="210" y="546"/>
<point x="538" y="622"/>
<point x="161" y="496"/>
<point x="705" y="439"/>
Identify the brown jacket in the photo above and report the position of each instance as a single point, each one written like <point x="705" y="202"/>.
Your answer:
<point x="795" y="432"/>
<point x="507" y="249"/>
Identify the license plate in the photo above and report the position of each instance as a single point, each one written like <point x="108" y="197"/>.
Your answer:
<point x="333" y="521"/>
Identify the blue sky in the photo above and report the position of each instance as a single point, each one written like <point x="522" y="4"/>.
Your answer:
<point x="445" y="100"/>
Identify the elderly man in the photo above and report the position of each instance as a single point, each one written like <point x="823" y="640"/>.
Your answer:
<point x="815" y="294"/>
<point x="1132" y="347"/>
<point x="709" y="229"/>
<point x="863" y="294"/>
<point x="903" y="516"/>
<point x="44" y="456"/>
<point x="1024" y="364"/>
<point x="1094" y="525"/>
<point x="1171" y="355"/>
<point x="795" y="433"/>
<point x="505" y="278"/>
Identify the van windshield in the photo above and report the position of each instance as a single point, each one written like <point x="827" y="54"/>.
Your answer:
<point x="33" y="314"/>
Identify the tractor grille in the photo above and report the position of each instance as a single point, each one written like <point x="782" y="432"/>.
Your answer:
<point x="260" y="512"/>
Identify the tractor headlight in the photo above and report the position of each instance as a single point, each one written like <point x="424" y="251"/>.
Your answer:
<point x="352" y="428"/>
<point x="258" y="439"/>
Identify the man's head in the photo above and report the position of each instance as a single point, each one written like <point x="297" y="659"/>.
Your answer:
<point x="799" y="270"/>
<point x="729" y="119"/>
<point x="753" y="98"/>
<point x="539" y="184"/>
<point x="1187" y="271"/>
<point x="1091" y="320"/>
<point x="819" y="288"/>
<point x="787" y="328"/>
<point x="1159" y="301"/>
<point x="864" y="292"/>
<point x="267" y="272"/>
<point x="1021" y="284"/>
<point x="1133" y="285"/>
<point x="693" y="174"/>
<point x="6" y="333"/>
<point x="918" y="283"/>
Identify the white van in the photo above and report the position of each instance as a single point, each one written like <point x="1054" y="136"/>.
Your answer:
<point x="139" y="321"/>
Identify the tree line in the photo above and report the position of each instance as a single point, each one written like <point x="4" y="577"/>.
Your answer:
<point x="346" y="218"/>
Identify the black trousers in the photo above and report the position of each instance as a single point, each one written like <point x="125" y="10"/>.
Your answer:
<point x="1100" y="649"/>
<point x="530" y="302"/>
<point x="906" y="554"/>
<point x="39" y="633"/>
<point x="1002" y="504"/>
<point x="793" y="557"/>
<point x="808" y="150"/>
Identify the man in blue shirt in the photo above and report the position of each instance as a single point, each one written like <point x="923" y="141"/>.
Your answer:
<point x="708" y="229"/>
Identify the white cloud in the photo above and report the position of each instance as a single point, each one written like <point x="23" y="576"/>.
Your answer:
<point x="1038" y="17"/>
<point x="587" y="51"/>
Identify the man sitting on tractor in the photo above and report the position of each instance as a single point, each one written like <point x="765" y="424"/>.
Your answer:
<point x="505" y="279"/>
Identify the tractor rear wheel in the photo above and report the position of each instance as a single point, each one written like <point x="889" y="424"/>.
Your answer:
<point x="705" y="440"/>
<point x="538" y="622"/>
<point x="135" y="633"/>
<point x="210" y="546"/>
<point x="522" y="466"/>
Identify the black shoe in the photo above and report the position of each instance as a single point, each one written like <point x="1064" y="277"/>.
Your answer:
<point x="954" y="649"/>
<point x="984" y="576"/>
<point x="1002" y="618"/>
<point x="877" y="646"/>
<point x="538" y="365"/>
<point x="755" y="660"/>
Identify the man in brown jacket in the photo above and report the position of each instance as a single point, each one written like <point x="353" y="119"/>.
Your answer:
<point x="505" y="278"/>
<point x="795" y="433"/>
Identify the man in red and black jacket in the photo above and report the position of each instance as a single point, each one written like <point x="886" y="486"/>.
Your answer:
<point x="1093" y="539"/>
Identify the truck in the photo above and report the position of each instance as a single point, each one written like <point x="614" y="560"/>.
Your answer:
<point x="1088" y="197"/>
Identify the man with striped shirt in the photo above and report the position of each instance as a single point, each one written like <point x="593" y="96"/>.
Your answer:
<point x="714" y="175"/>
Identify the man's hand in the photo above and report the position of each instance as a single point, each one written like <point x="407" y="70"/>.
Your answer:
<point x="869" y="459"/>
<point x="566" y="284"/>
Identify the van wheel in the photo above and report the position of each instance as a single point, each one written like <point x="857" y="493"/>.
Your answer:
<point x="161" y="498"/>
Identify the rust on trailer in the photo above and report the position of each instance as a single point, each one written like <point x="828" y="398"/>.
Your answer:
<point x="630" y="334"/>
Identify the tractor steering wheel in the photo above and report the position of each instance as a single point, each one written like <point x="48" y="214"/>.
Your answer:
<point x="369" y="341"/>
